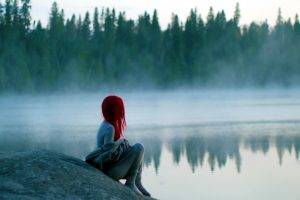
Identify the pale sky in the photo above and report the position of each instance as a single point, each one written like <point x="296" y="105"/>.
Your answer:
<point x="251" y="10"/>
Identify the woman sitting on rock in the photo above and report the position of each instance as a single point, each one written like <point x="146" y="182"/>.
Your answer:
<point x="114" y="156"/>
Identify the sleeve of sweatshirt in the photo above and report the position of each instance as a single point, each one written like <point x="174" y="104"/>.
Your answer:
<point x="109" y="134"/>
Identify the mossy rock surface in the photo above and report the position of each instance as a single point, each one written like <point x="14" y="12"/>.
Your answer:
<point x="49" y="175"/>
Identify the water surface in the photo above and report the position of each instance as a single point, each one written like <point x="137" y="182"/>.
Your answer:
<point x="198" y="144"/>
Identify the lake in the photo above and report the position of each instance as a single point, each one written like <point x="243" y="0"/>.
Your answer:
<point x="199" y="144"/>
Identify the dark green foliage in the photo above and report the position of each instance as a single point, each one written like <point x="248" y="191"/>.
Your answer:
<point x="105" y="49"/>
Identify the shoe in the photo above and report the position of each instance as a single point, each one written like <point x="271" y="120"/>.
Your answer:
<point x="133" y="187"/>
<point x="142" y="189"/>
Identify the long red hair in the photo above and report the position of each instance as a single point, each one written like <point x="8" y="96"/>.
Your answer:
<point x="113" y="111"/>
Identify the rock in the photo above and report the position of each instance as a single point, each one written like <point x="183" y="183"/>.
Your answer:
<point x="48" y="175"/>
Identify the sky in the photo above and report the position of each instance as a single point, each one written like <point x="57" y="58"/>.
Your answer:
<point x="251" y="10"/>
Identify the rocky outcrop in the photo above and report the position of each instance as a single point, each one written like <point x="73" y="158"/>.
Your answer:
<point x="49" y="175"/>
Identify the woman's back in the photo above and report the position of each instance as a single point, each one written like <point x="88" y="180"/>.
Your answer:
<point x="105" y="133"/>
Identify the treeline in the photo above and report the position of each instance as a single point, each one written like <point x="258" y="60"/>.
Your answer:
<point x="105" y="49"/>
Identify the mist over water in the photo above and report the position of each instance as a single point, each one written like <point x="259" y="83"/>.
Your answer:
<point x="210" y="144"/>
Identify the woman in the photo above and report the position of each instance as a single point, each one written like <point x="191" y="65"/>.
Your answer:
<point x="114" y="156"/>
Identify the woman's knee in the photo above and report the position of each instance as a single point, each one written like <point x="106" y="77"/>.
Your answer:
<point x="138" y="147"/>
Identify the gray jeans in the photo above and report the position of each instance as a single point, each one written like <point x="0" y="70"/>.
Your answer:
<point x="129" y="167"/>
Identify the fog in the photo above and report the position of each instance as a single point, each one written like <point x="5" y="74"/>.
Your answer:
<point x="155" y="108"/>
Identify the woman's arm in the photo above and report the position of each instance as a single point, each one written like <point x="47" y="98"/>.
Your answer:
<point x="109" y="135"/>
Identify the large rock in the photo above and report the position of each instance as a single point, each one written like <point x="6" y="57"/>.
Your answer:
<point x="49" y="175"/>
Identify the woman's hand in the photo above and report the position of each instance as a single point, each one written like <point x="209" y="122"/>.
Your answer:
<point x="124" y="142"/>
<point x="127" y="145"/>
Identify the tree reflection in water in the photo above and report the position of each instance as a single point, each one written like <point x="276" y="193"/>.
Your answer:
<point x="198" y="148"/>
<point x="216" y="149"/>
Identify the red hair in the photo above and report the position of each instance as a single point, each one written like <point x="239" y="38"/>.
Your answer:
<point x="113" y="112"/>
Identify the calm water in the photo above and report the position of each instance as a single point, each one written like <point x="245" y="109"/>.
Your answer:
<point x="199" y="144"/>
